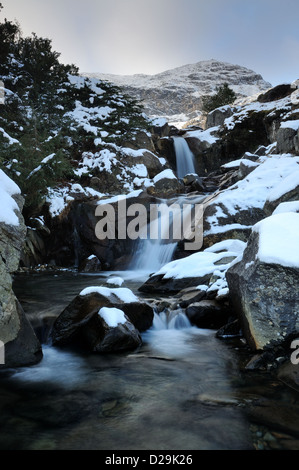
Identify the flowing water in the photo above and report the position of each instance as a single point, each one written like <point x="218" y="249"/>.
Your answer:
<point x="184" y="157"/>
<point x="181" y="390"/>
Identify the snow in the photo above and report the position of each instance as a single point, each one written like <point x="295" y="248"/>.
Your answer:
<point x="233" y="164"/>
<point x="204" y="136"/>
<point x="124" y="294"/>
<point x="159" y="122"/>
<point x="278" y="239"/>
<point x="121" y="197"/>
<point x="83" y="115"/>
<point x="253" y="191"/>
<point x="8" y="206"/>
<point x="10" y="139"/>
<point x="237" y="246"/>
<point x="112" y="316"/>
<point x="103" y="161"/>
<point x="166" y="174"/>
<point x="286" y="185"/>
<point x="196" y="265"/>
<point x="290" y="125"/>
<point x="290" y="206"/>
<point x="116" y="281"/>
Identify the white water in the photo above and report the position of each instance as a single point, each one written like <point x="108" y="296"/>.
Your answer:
<point x="173" y="335"/>
<point x="184" y="157"/>
<point x="151" y="254"/>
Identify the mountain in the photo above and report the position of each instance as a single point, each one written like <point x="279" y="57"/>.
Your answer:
<point x="176" y="94"/>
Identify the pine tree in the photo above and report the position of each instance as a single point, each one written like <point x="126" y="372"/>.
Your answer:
<point x="224" y="95"/>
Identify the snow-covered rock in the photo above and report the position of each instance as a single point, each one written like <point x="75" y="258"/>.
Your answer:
<point x="264" y="284"/>
<point x="202" y="268"/>
<point x="238" y="208"/>
<point x="103" y="319"/>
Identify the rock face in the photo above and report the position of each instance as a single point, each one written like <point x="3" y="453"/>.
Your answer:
<point x="179" y="91"/>
<point x="264" y="284"/>
<point x="103" y="320"/>
<point x="20" y="343"/>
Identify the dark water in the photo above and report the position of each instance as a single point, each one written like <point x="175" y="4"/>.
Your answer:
<point x="182" y="390"/>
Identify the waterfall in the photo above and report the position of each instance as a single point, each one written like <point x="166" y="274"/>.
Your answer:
<point x="184" y="157"/>
<point x="151" y="253"/>
<point x="175" y="320"/>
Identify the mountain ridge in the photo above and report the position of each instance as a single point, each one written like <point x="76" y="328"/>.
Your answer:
<point x="175" y="94"/>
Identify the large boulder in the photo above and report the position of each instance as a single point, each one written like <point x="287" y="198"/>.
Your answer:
<point x="21" y="346"/>
<point x="103" y="319"/>
<point x="264" y="284"/>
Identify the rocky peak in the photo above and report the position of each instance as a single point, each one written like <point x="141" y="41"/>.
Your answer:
<point x="176" y="94"/>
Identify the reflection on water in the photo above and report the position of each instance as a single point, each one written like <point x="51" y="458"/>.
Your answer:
<point x="182" y="390"/>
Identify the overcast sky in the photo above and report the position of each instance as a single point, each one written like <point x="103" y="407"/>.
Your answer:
<point x="151" y="36"/>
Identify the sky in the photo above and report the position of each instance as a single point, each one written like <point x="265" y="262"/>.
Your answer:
<point x="150" y="36"/>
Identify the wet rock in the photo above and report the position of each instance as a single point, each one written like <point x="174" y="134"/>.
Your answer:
<point x="207" y="314"/>
<point x="90" y="265"/>
<point x="102" y="336"/>
<point x="189" y="296"/>
<point x="230" y="330"/>
<point x="157" y="284"/>
<point x="81" y="324"/>
<point x="289" y="374"/>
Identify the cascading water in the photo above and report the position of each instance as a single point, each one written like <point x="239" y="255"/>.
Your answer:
<point x="184" y="157"/>
<point x="175" y="320"/>
<point x="151" y="254"/>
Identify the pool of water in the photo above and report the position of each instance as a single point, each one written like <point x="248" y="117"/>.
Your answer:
<point x="181" y="390"/>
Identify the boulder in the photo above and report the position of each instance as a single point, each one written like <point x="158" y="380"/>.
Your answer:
<point x="21" y="346"/>
<point x="82" y="324"/>
<point x="286" y="139"/>
<point x="218" y="116"/>
<point x="165" y="184"/>
<point x="90" y="265"/>
<point x="264" y="284"/>
<point x="110" y="330"/>
<point x="208" y="314"/>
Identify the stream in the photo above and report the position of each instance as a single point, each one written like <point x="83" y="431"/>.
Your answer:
<point x="182" y="389"/>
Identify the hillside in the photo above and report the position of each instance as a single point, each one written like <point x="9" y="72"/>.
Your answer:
<point x="176" y="94"/>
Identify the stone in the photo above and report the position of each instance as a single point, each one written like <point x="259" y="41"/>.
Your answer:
<point x="21" y="345"/>
<point x="80" y="323"/>
<point x="264" y="294"/>
<point x="286" y="140"/>
<point x="90" y="265"/>
<point x="218" y="116"/>
<point x="100" y="337"/>
<point x="208" y="314"/>
<point x="165" y="187"/>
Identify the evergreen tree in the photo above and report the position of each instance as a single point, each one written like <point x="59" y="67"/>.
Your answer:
<point x="224" y="95"/>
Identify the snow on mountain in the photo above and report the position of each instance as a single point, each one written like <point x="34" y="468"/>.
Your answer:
<point x="176" y="94"/>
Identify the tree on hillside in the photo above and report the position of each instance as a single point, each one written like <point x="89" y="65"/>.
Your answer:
<point x="224" y="95"/>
